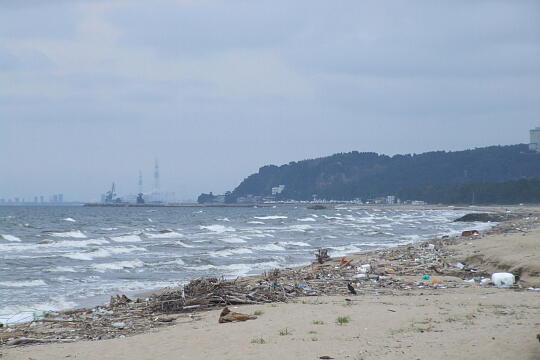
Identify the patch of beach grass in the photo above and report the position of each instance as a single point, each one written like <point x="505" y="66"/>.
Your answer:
<point x="317" y="322"/>
<point x="258" y="312"/>
<point x="341" y="320"/>
<point x="258" y="340"/>
<point x="284" y="332"/>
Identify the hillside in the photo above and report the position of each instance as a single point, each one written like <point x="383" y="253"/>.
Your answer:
<point x="346" y="176"/>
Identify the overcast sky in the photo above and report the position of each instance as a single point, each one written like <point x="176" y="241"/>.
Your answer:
<point x="92" y="91"/>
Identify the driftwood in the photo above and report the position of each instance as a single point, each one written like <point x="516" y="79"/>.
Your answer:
<point x="24" y="341"/>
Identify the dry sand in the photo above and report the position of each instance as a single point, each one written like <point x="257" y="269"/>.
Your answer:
<point x="456" y="323"/>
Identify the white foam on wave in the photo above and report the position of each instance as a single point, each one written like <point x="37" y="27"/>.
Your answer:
<point x="223" y="219"/>
<point x="119" y="265"/>
<point x="8" y="237"/>
<point x="60" y="269"/>
<point x="307" y="219"/>
<point x="300" y="228"/>
<point x="165" y="235"/>
<point x="256" y="222"/>
<point x="102" y="252"/>
<point x="293" y="243"/>
<point x="272" y="217"/>
<point x="233" y="240"/>
<point x="24" y="283"/>
<point x="72" y="234"/>
<point x="177" y="261"/>
<point x="218" y="228"/>
<point x="126" y="238"/>
<point x="229" y="252"/>
<point x="269" y="247"/>
<point x="21" y="313"/>
<point x="183" y="244"/>
<point x="69" y="219"/>
<point x="109" y="229"/>
<point x="75" y="243"/>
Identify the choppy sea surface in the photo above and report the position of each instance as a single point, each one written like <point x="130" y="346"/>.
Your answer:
<point x="55" y="258"/>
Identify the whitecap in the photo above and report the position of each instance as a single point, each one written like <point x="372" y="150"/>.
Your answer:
<point x="60" y="269"/>
<point x="69" y="219"/>
<point x="126" y="238"/>
<point x="75" y="243"/>
<point x="217" y="228"/>
<point x="269" y="247"/>
<point x="72" y="234"/>
<point x="229" y="252"/>
<point x="233" y="240"/>
<point x="165" y="235"/>
<point x="24" y="283"/>
<point x="102" y="252"/>
<point x="119" y="265"/>
<point x="181" y="243"/>
<point x="223" y="219"/>
<point x="273" y="217"/>
<point x="307" y="219"/>
<point x="300" y="228"/>
<point x="294" y="243"/>
<point x="256" y="222"/>
<point x="11" y="238"/>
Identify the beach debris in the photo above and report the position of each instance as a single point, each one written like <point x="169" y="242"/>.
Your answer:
<point x="468" y="233"/>
<point x="231" y="316"/>
<point x="425" y="277"/>
<point x="326" y="357"/>
<point x="322" y="256"/>
<point x="119" y="325"/>
<point x="351" y="289"/>
<point x="503" y="279"/>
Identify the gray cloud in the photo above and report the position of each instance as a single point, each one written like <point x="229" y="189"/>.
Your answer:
<point x="91" y="92"/>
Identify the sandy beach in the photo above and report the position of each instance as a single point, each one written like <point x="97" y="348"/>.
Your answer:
<point x="398" y="316"/>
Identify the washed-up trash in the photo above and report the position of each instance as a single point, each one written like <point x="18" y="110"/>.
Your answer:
<point x="360" y="276"/>
<point x="231" y="316"/>
<point x="351" y="289"/>
<point x="364" y="268"/>
<point x="533" y="289"/>
<point x="39" y="315"/>
<point x="425" y="276"/>
<point x="460" y="265"/>
<point x="503" y="279"/>
<point x="431" y="246"/>
<point x="470" y="233"/>
<point x="470" y="281"/>
<point x="389" y="271"/>
<point x="485" y="281"/>
<point x="119" y="325"/>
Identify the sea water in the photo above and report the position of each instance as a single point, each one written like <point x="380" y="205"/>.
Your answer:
<point x="55" y="258"/>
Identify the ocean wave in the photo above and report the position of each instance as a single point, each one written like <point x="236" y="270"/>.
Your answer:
<point x="72" y="234"/>
<point x="102" y="252"/>
<point x="218" y="228"/>
<point x="60" y="269"/>
<point x="119" y="265"/>
<point x="24" y="283"/>
<point x="229" y="252"/>
<point x="307" y="219"/>
<point x="233" y="240"/>
<point x="300" y="228"/>
<point x="223" y="219"/>
<point x="237" y="269"/>
<point x="272" y="217"/>
<point x="126" y="238"/>
<point x="269" y="247"/>
<point x="256" y="222"/>
<point x="8" y="237"/>
<point x="69" y="219"/>
<point x="294" y="243"/>
<point x="183" y="244"/>
<point x="77" y="243"/>
<point x="165" y="235"/>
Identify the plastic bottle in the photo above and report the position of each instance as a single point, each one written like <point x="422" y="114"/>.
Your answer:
<point x="503" y="279"/>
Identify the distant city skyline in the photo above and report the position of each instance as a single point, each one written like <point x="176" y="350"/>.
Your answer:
<point x="91" y="92"/>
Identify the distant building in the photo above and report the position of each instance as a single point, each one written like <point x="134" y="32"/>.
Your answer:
<point x="390" y="200"/>
<point x="534" y="145"/>
<point x="278" y="190"/>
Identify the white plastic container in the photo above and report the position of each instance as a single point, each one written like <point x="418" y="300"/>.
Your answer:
<point x="503" y="279"/>
<point x="364" y="268"/>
